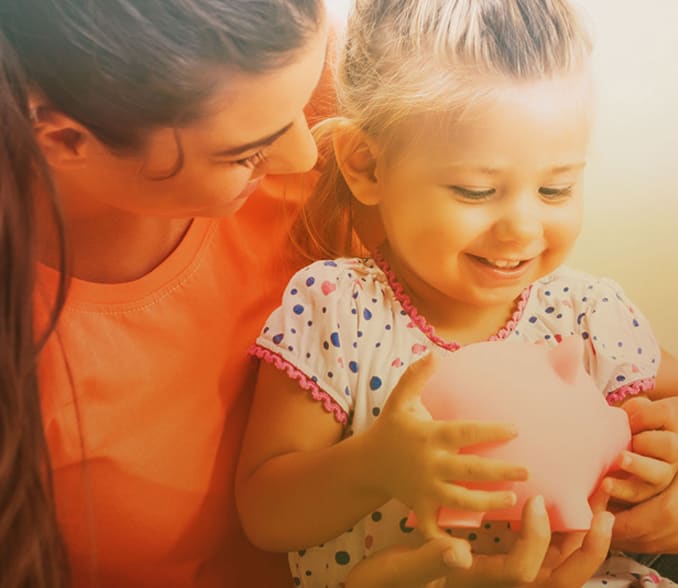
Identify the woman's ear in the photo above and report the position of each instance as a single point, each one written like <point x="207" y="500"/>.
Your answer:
<point x="357" y="157"/>
<point x="64" y="142"/>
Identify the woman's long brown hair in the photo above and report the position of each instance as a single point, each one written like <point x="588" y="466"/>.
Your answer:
<point x="31" y="549"/>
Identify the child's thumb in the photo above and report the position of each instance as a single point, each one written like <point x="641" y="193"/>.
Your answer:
<point x="434" y="559"/>
<point x="411" y="384"/>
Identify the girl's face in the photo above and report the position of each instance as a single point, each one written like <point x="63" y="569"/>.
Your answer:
<point x="475" y="213"/>
<point x="253" y="126"/>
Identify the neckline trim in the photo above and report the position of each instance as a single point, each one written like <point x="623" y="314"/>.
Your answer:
<point x="428" y="329"/>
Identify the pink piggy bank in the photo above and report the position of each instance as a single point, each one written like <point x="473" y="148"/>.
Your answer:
<point x="568" y="436"/>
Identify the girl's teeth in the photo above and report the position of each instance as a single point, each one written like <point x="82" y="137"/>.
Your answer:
<point x="503" y="263"/>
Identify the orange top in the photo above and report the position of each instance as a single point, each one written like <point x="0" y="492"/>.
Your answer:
<point x="150" y="380"/>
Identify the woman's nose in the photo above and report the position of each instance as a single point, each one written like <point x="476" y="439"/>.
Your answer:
<point x="294" y="152"/>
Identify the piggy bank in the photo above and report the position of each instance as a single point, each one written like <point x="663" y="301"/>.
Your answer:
<point x="568" y="436"/>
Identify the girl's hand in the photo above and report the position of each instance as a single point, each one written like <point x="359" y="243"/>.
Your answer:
<point x="652" y="464"/>
<point x="419" y="459"/>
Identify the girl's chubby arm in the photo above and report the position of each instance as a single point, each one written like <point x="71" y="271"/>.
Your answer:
<point x="298" y="484"/>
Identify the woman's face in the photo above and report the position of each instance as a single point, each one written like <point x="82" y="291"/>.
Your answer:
<point x="253" y="126"/>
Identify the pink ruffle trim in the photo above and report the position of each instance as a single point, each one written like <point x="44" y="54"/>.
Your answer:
<point x="429" y="330"/>
<point x="329" y="404"/>
<point x="632" y="389"/>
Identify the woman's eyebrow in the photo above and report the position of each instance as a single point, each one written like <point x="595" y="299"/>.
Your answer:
<point x="254" y="144"/>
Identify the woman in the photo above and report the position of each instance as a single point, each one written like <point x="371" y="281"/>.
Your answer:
<point x="158" y="119"/>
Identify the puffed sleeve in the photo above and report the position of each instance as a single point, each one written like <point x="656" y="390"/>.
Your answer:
<point x="622" y="353"/>
<point x="312" y="335"/>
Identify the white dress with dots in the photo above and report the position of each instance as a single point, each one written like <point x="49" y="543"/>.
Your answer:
<point x="346" y="331"/>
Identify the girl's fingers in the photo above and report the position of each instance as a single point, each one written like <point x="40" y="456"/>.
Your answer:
<point x="458" y="434"/>
<point x="523" y="562"/>
<point x="473" y="468"/>
<point x="631" y="491"/>
<point x="462" y="498"/>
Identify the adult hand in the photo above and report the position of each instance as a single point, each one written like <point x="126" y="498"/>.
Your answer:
<point x="652" y="525"/>
<point x="653" y="462"/>
<point x="419" y="460"/>
<point x="539" y="561"/>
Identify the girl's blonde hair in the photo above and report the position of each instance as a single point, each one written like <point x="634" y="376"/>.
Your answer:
<point x="404" y="58"/>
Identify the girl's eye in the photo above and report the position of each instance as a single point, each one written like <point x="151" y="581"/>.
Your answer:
<point x="555" y="193"/>
<point x="473" y="194"/>
<point x="253" y="160"/>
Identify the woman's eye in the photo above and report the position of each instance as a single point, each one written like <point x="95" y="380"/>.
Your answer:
<point x="555" y="193"/>
<point x="253" y="160"/>
<point x="473" y="194"/>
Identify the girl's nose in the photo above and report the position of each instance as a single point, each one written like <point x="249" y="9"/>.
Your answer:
<point x="520" y="221"/>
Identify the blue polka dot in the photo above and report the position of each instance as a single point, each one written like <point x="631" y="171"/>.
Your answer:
<point x="621" y="378"/>
<point x="584" y="299"/>
<point x="549" y="310"/>
<point x="566" y="289"/>
<point x="367" y="314"/>
<point x="330" y="263"/>
<point x="354" y="311"/>
<point x="636" y="323"/>
<point x="278" y="338"/>
<point x="378" y="345"/>
<point x="290" y="348"/>
<point x="355" y="345"/>
<point x="347" y="391"/>
<point x="314" y="378"/>
<point x="547" y="337"/>
<point x="310" y="323"/>
<point x="375" y="383"/>
<point x="376" y="516"/>
<point x="298" y="309"/>
<point x="310" y="282"/>
<point x="388" y="327"/>
<point x="533" y="319"/>
<point x="580" y="317"/>
<point x="293" y="291"/>
<point x="266" y="330"/>
<point x="559" y="315"/>
<point x="342" y="558"/>
<point x="326" y="345"/>
<point x="293" y="331"/>
<point x="584" y="335"/>
<point x="640" y="350"/>
<point x="376" y="411"/>
<point x="334" y="337"/>
<point x="353" y="366"/>
<point x="308" y="355"/>
<point x="606" y="299"/>
<point x="403" y="526"/>
<point x="330" y="375"/>
<point x="548" y="292"/>
<point x="359" y="333"/>
<point x="620" y="344"/>
<point x="355" y="294"/>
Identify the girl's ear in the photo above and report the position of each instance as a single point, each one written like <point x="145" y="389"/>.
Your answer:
<point x="64" y="142"/>
<point x="357" y="158"/>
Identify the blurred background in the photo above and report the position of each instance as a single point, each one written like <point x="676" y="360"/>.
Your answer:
<point x="631" y="224"/>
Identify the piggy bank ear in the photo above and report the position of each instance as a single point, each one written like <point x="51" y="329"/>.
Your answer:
<point x="566" y="358"/>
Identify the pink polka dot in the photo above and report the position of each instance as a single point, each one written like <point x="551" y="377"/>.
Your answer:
<point x="369" y="540"/>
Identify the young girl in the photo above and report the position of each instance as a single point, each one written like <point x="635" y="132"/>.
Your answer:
<point x="465" y="127"/>
<point x="31" y="549"/>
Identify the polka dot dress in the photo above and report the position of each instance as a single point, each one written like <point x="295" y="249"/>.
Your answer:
<point x="346" y="331"/>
